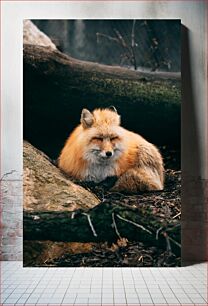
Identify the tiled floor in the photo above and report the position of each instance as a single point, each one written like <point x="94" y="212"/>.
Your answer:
<point x="99" y="286"/>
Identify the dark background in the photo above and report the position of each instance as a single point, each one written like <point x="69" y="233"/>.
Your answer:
<point x="158" y="41"/>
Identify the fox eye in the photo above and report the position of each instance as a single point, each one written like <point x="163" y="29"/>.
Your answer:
<point x="98" y="138"/>
<point x="114" y="138"/>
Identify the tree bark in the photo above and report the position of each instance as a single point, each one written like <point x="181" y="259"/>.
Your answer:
<point x="46" y="188"/>
<point x="57" y="87"/>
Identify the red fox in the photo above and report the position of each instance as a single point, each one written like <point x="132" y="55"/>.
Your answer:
<point x="100" y="148"/>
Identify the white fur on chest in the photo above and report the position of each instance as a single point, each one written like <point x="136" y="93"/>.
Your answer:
<point x="99" y="172"/>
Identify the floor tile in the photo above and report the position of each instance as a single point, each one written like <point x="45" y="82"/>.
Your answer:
<point x="86" y="286"/>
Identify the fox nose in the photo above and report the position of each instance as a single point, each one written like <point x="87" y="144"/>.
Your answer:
<point x="108" y="153"/>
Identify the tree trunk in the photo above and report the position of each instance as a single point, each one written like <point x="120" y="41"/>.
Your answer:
<point x="57" y="87"/>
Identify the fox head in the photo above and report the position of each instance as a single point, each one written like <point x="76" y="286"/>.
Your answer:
<point x="103" y="135"/>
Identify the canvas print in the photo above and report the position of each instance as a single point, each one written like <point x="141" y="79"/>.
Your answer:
<point x="101" y="152"/>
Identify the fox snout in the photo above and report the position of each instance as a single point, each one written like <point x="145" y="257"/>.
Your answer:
<point x="106" y="154"/>
<point x="106" y="149"/>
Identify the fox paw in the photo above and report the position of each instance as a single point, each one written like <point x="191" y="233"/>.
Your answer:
<point x="118" y="188"/>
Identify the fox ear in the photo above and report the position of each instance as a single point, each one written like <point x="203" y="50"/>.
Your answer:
<point x="113" y="109"/>
<point x="86" y="118"/>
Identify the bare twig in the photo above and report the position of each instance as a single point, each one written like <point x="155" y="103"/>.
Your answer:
<point x="103" y="199"/>
<point x="130" y="54"/>
<point x="115" y="226"/>
<point x="125" y="46"/>
<point x="133" y="34"/>
<point x="157" y="232"/>
<point x="123" y="58"/>
<point x="133" y="44"/>
<point x="106" y="36"/>
<point x="141" y="258"/>
<point x="134" y="223"/>
<point x="175" y="242"/>
<point x="167" y="238"/>
<point x="90" y="224"/>
<point x="129" y="49"/>
<point x="121" y="39"/>
<point x="178" y="214"/>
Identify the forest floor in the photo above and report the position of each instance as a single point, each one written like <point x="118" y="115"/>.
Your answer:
<point x="166" y="205"/>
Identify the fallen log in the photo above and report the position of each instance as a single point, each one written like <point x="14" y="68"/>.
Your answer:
<point x="105" y="222"/>
<point x="47" y="188"/>
<point x="57" y="87"/>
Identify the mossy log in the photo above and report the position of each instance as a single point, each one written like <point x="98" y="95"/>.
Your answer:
<point x="104" y="222"/>
<point x="57" y="87"/>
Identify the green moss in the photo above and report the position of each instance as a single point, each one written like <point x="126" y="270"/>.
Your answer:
<point x="150" y="91"/>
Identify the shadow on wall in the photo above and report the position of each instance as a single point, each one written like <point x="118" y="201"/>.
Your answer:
<point x="194" y="228"/>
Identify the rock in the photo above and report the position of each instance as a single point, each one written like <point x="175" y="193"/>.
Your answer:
<point x="32" y="35"/>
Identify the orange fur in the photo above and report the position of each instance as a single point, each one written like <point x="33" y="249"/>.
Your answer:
<point x="136" y="162"/>
<point x="71" y="158"/>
